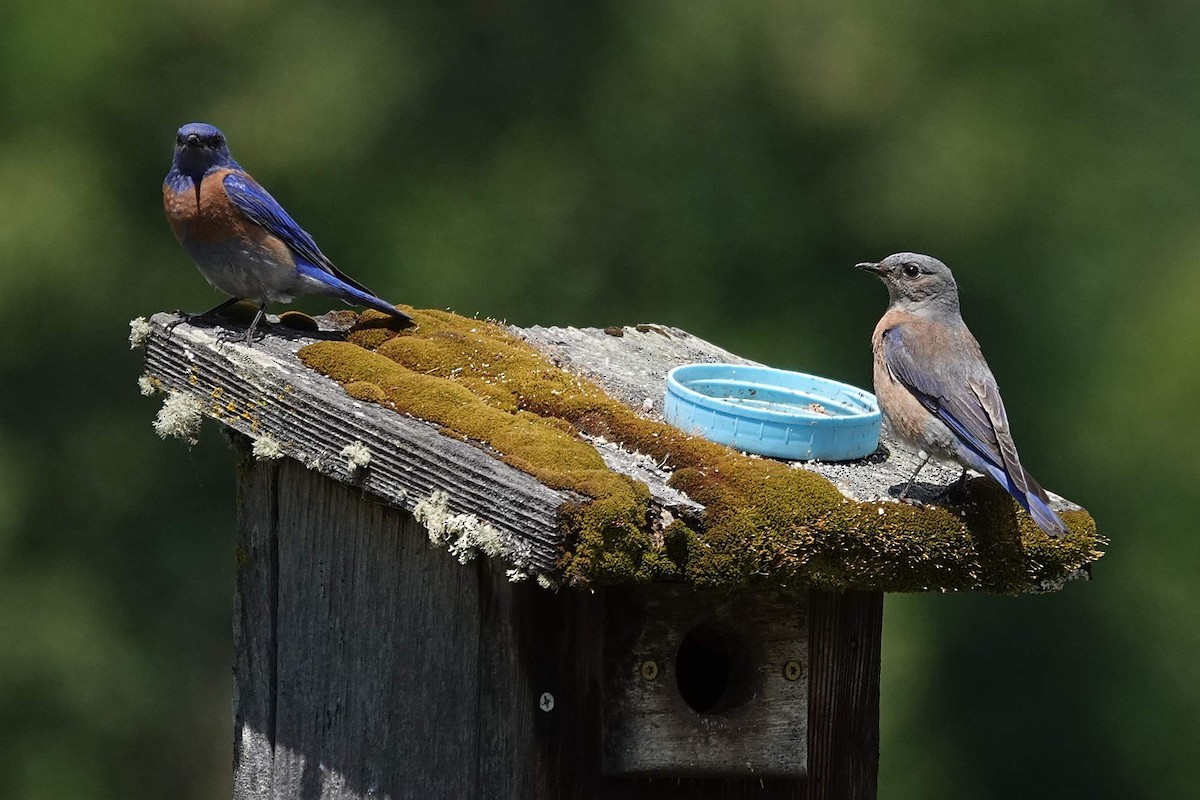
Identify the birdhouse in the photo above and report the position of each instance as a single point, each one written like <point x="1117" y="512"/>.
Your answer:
<point x="474" y="561"/>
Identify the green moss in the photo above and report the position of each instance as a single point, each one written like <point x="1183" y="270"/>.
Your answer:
<point x="763" y="519"/>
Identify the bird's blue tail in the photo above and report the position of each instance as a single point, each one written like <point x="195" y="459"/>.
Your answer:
<point x="351" y="292"/>
<point x="1034" y="501"/>
<point x="359" y="297"/>
<point x="1045" y="516"/>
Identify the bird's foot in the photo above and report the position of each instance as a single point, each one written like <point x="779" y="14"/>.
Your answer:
<point x="246" y="337"/>
<point x="180" y="318"/>
<point x="183" y="317"/>
<point x="903" y="497"/>
<point x="192" y="317"/>
<point x="227" y="336"/>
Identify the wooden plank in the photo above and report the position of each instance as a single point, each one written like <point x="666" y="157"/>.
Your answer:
<point x="534" y="754"/>
<point x="540" y="656"/>
<point x="706" y="683"/>
<point x="376" y="678"/>
<point x="254" y="627"/>
<point x="845" y="635"/>
<point x="630" y="362"/>
<point x="265" y="390"/>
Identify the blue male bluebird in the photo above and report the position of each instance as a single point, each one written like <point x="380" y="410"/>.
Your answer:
<point x="241" y="239"/>
<point x="934" y="386"/>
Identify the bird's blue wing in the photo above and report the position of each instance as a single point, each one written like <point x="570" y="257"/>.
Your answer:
<point x="958" y="388"/>
<point x="260" y="207"/>
<point x="945" y="389"/>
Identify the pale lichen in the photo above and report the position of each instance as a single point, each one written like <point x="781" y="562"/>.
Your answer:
<point x="357" y="455"/>
<point x="462" y="534"/>
<point x="266" y="448"/>
<point x="139" y="331"/>
<point x="179" y="417"/>
<point x="147" y="386"/>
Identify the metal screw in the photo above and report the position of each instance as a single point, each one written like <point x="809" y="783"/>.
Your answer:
<point x="546" y="702"/>
<point x="649" y="670"/>
<point x="792" y="670"/>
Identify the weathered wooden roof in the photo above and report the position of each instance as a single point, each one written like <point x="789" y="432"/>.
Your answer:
<point x="473" y="499"/>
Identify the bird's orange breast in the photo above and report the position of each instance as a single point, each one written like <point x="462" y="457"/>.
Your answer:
<point x="208" y="218"/>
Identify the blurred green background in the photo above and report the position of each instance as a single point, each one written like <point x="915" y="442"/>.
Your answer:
<point x="713" y="165"/>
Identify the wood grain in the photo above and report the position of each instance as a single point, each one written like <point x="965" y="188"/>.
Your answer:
<point x="756" y="723"/>
<point x="265" y="390"/>
<point x="254" y="614"/>
<point x="845" y="643"/>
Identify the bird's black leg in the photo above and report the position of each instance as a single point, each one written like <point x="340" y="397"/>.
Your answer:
<point x="217" y="309"/>
<point x="262" y="311"/>
<point x="907" y="486"/>
<point x="954" y="487"/>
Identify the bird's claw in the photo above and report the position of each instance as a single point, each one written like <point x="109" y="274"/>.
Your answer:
<point x="227" y="336"/>
<point x="181" y="317"/>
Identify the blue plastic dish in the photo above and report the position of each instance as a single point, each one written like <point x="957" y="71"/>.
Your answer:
<point x="773" y="412"/>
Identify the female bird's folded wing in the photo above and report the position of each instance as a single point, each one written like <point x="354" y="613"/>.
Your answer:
<point x="939" y="381"/>
<point x="955" y="384"/>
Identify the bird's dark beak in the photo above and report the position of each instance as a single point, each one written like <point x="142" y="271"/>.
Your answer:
<point x="193" y="140"/>
<point x="870" y="266"/>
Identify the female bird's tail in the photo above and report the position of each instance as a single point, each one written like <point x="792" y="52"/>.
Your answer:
<point x="1033" y="499"/>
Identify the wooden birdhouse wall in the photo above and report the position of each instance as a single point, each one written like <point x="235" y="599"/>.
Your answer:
<point x="372" y="665"/>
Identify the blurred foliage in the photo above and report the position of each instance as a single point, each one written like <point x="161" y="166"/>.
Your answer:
<point x="713" y="165"/>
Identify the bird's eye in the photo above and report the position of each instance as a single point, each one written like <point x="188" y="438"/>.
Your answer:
<point x="911" y="270"/>
<point x="179" y="139"/>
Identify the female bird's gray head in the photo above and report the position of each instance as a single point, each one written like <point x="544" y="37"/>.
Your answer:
<point x="200" y="147"/>
<point x="915" y="281"/>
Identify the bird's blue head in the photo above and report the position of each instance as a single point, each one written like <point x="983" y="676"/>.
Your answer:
<point x="199" y="148"/>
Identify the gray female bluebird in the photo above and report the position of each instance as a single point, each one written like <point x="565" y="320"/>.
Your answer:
<point x="241" y="239"/>
<point x="934" y="386"/>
